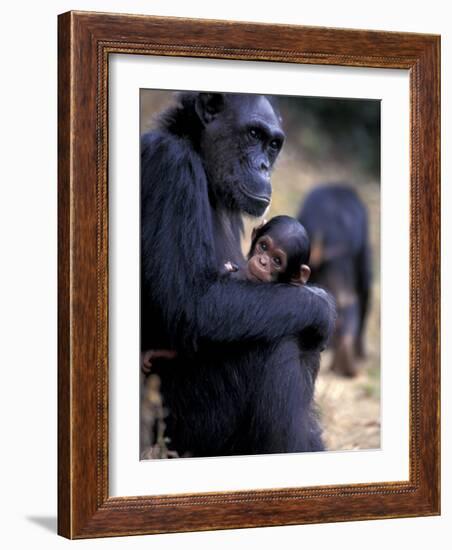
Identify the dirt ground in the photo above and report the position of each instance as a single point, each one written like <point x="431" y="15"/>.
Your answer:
<point x="350" y="407"/>
<point x="349" y="412"/>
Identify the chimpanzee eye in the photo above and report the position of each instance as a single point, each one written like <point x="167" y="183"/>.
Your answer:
<point x="254" y="133"/>
<point x="263" y="246"/>
<point x="275" y="144"/>
<point x="277" y="261"/>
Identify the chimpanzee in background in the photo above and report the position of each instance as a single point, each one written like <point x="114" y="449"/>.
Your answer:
<point x="336" y="221"/>
<point x="236" y="385"/>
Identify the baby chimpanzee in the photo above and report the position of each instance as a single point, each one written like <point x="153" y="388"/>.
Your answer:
<point x="279" y="253"/>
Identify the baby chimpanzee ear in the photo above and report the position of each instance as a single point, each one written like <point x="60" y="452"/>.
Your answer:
<point x="207" y="106"/>
<point x="303" y="276"/>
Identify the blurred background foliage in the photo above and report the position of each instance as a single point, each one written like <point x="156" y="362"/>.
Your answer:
<point x="327" y="140"/>
<point x="335" y="129"/>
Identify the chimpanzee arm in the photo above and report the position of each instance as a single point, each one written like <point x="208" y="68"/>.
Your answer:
<point x="233" y="311"/>
<point x="179" y="273"/>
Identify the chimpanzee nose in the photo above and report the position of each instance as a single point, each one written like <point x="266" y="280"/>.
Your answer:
<point x="265" y="166"/>
<point x="263" y="260"/>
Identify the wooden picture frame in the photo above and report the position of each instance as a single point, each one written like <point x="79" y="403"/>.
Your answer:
<point x="85" y="42"/>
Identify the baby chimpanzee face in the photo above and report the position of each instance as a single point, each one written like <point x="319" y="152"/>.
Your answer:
<point x="268" y="260"/>
<point x="279" y="252"/>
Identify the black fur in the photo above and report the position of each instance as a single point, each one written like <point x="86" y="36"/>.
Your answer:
<point x="335" y="217"/>
<point x="237" y="386"/>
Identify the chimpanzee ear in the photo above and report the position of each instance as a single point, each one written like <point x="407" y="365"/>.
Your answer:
<point x="208" y="106"/>
<point x="303" y="276"/>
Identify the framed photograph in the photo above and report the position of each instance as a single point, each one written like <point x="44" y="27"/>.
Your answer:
<point x="248" y="275"/>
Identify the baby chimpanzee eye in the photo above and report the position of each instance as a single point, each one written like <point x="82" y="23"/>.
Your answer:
<point x="277" y="261"/>
<point x="263" y="246"/>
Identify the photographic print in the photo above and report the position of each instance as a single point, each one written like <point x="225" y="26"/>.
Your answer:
<point x="259" y="339"/>
<point x="260" y="274"/>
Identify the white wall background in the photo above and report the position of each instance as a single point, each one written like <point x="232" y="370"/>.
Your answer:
<point x="28" y="270"/>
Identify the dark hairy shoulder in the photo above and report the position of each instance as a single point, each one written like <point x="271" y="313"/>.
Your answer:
<point x="181" y="119"/>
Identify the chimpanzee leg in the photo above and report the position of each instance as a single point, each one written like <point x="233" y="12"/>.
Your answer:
<point x="283" y="419"/>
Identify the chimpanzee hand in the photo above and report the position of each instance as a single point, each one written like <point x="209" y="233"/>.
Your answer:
<point x="319" y="337"/>
<point x="147" y="358"/>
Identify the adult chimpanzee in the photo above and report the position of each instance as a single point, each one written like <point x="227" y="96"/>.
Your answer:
<point x="336" y="220"/>
<point x="236" y="385"/>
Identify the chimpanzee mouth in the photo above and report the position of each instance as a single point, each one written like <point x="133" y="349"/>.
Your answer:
<point x="257" y="275"/>
<point x="265" y="199"/>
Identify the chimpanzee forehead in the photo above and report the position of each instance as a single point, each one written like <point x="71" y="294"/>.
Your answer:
<point x="254" y="107"/>
<point x="282" y="242"/>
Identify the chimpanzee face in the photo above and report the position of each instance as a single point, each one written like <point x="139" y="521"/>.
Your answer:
<point x="241" y="140"/>
<point x="268" y="260"/>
